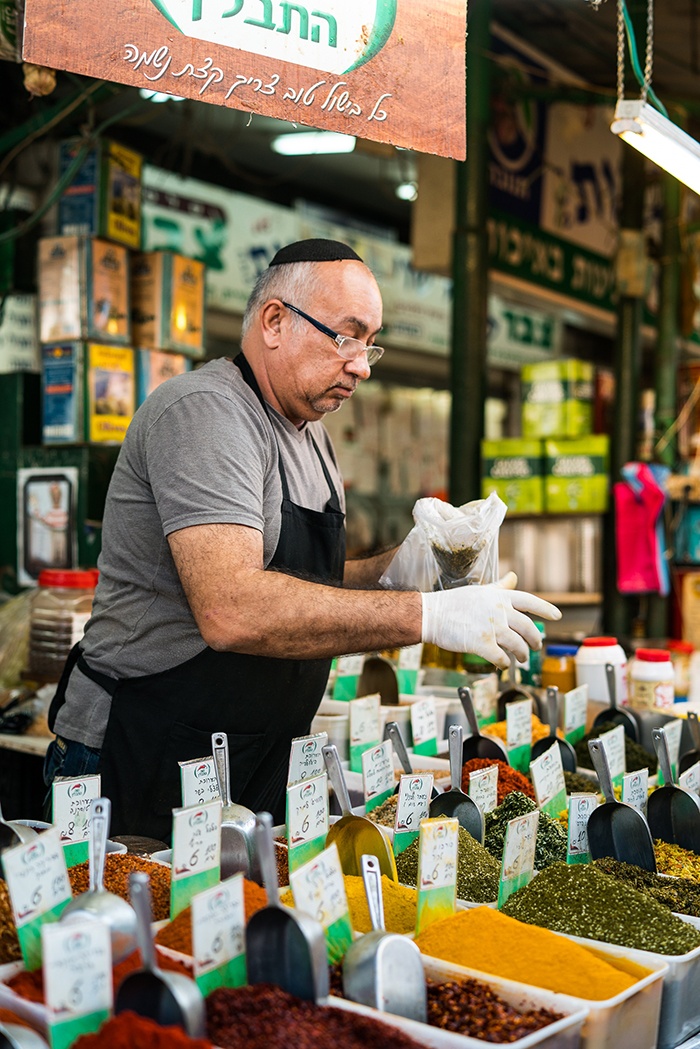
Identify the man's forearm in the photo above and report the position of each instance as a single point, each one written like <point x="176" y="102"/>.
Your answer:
<point x="367" y="571"/>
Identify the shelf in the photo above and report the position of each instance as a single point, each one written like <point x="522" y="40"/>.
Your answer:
<point x="25" y="744"/>
<point x="571" y="598"/>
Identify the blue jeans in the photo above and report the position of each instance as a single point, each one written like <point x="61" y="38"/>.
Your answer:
<point x="65" y="757"/>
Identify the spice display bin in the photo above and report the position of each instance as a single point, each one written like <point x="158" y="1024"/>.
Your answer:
<point x="680" y="1002"/>
<point x="33" y="1013"/>
<point x="564" y="1034"/>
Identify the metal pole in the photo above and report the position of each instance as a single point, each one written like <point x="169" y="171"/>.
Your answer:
<point x="470" y="272"/>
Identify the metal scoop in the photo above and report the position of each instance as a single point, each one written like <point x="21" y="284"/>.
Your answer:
<point x="618" y="715"/>
<point x="237" y="822"/>
<point x="355" y="835"/>
<point x="166" y="997"/>
<point x="378" y="675"/>
<point x="454" y="803"/>
<point x="478" y="746"/>
<point x="615" y="829"/>
<point x="673" y="812"/>
<point x="515" y="692"/>
<point x="96" y="902"/>
<point x="15" y="1036"/>
<point x="689" y="757"/>
<point x="14" y="833"/>
<point x="283" y="946"/>
<point x="567" y="752"/>
<point x="393" y="732"/>
<point x="382" y="969"/>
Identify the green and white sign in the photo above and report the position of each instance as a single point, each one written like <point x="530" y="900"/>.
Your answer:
<point x="378" y="774"/>
<point x="518" y="863"/>
<point x="635" y="789"/>
<point x="437" y="871"/>
<point x="218" y="936"/>
<point x="424" y="727"/>
<point x="37" y="880"/>
<point x="580" y="808"/>
<point x="673" y="731"/>
<point x="614" y="747"/>
<point x="364" y="728"/>
<point x="547" y="775"/>
<point x="306" y="757"/>
<point x="71" y="800"/>
<point x="575" y="713"/>
<point x="196" y="862"/>
<point x="347" y="676"/>
<point x="412" y="807"/>
<point x="199" y="782"/>
<point x="483" y="788"/>
<point x="519" y="733"/>
<point x="77" y="979"/>
<point x="408" y="667"/>
<point x="319" y="890"/>
<point x="307" y="819"/>
<point x="690" y="779"/>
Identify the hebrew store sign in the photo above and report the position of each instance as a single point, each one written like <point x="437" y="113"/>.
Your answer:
<point x="387" y="70"/>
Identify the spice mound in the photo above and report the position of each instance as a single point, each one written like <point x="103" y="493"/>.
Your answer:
<point x="177" y="934"/>
<point x="138" y="1032"/>
<point x="678" y="894"/>
<point x="672" y="859"/>
<point x="400" y="904"/>
<point x="478" y="873"/>
<point x="265" y="1017"/>
<point x="485" y="939"/>
<point x="386" y="812"/>
<point x="582" y="901"/>
<point x="118" y="867"/>
<point x="636" y="757"/>
<point x="9" y="944"/>
<point x="509" y="779"/>
<point x="500" y="730"/>
<point x="551" y="837"/>
<point x="576" y="783"/>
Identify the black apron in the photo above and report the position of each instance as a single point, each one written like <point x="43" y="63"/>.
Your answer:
<point x="261" y="702"/>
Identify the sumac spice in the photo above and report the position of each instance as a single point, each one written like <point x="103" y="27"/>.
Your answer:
<point x="131" y="1031"/>
<point x="509" y="779"/>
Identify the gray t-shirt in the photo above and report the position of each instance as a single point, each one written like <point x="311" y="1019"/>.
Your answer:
<point x="200" y="450"/>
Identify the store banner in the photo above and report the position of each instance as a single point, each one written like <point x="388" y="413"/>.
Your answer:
<point x="371" y="68"/>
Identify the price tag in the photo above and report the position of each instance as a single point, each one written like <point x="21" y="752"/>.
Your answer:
<point x="483" y="788"/>
<point x="437" y="871"/>
<point x="614" y="747"/>
<point x="672" y="730"/>
<point x="575" y="713"/>
<point x="547" y="774"/>
<point x="408" y="667"/>
<point x="519" y="733"/>
<point x="306" y="757"/>
<point x="71" y="800"/>
<point x="77" y="979"/>
<point x="413" y="805"/>
<point x="218" y="936"/>
<point x="378" y="774"/>
<point x="319" y="890"/>
<point x="424" y="727"/>
<point x="690" y="779"/>
<point x="364" y="728"/>
<point x="635" y="789"/>
<point x="37" y="880"/>
<point x="307" y="819"/>
<point x="580" y="808"/>
<point x="518" y="863"/>
<point x="199" y="782"/>
<point x="485" y="699"/>
<point x="348" y="670"/>
<point x="196" y="863"/>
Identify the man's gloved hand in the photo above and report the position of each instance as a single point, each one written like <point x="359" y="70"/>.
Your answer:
<point x="489" y="621"/>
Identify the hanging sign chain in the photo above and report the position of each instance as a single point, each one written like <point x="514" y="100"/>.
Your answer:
<point x="649" y="56"/>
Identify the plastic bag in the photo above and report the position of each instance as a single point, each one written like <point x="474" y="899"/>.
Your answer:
<point x="14" y="638"/>
<point x="448" y="546"/>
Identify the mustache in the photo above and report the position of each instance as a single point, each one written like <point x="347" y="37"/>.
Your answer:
<point x="339" y="385"/>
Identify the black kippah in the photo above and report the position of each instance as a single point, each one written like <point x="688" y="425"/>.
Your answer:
<point x="314" y="250"/>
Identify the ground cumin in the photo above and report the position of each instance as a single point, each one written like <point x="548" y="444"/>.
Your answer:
<point x="485" y="939"/>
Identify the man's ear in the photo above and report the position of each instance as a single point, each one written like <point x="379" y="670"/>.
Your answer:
<point x="271" y="323"/>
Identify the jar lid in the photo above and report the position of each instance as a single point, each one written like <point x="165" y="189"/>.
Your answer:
<point x="653" y="655"/>
<point x="561" y="650"/>
<point x="75" y="578"/>
<point x="681" y="646"/>
<point x="599" y="642"/>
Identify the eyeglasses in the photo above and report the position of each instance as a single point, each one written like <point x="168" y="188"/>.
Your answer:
<point x="349" y="349"/>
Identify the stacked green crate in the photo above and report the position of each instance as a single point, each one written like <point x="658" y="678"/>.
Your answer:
<point x="513" y="469"/>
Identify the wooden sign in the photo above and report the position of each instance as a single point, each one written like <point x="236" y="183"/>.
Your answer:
<point x="387" y="70"/>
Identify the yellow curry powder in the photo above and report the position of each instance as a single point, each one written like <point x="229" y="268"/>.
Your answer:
<point x="400" y="903"/>
<point x="499" y="730"/>
<point x="485" y="939"/>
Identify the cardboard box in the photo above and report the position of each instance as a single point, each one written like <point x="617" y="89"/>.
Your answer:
<point x="83" y="290"/>
<point x="154" y="367"/>
<point x="104" y="198"/>
<point x="167" y="302"/>
<point x="576" y="475"/>
<point x="557" y="399"/>
<point x="19" y="335"/>
<point x="514" y="469"/>
<point x="88" y="393"/>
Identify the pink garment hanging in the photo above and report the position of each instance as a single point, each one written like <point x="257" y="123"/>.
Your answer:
<point x="638" y="504"/>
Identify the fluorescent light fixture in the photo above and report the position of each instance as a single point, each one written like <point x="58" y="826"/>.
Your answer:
<point x="159" y="96"/>
<point x="406" y="191"/>
<point x="308" y="143"/>
<point x="659" y="139"/>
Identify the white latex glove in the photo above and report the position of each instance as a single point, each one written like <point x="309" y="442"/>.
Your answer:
<point x="489" y="621"/>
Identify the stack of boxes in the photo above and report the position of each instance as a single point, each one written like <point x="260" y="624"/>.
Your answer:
<point x="558" y="465"/>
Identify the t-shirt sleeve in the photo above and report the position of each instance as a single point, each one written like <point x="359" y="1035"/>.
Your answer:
<point x="207" y="457"/>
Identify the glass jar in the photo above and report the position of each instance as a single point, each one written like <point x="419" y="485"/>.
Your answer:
<point x="681" y="652"/>
<point x="651" y="679"/>
<point x="559" y="668"/>
<point x="60" y="611"/>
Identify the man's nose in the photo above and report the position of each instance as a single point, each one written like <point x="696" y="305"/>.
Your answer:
<point x="359" y="367"/>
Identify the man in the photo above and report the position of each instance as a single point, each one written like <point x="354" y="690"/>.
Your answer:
<point x="224" y="590"/>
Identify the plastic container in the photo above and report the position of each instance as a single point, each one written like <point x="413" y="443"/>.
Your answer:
<point x="681" y="653"/>
<point x="60" y="611"/>
<point x="651" y="680"/>
<point x="559" y="668"/>
<point x="591" y="659"/>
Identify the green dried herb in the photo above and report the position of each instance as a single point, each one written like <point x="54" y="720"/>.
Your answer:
<point x="386" y="812"/>
<point x="678" y="894"/>
<point x="551" y="837"/>
<point x="454" y="564"/>
<point x="583" y="901"/>
<point x="578" y="784"/>
<point x="478" y="873"/>
<point x="636" y="757"/>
